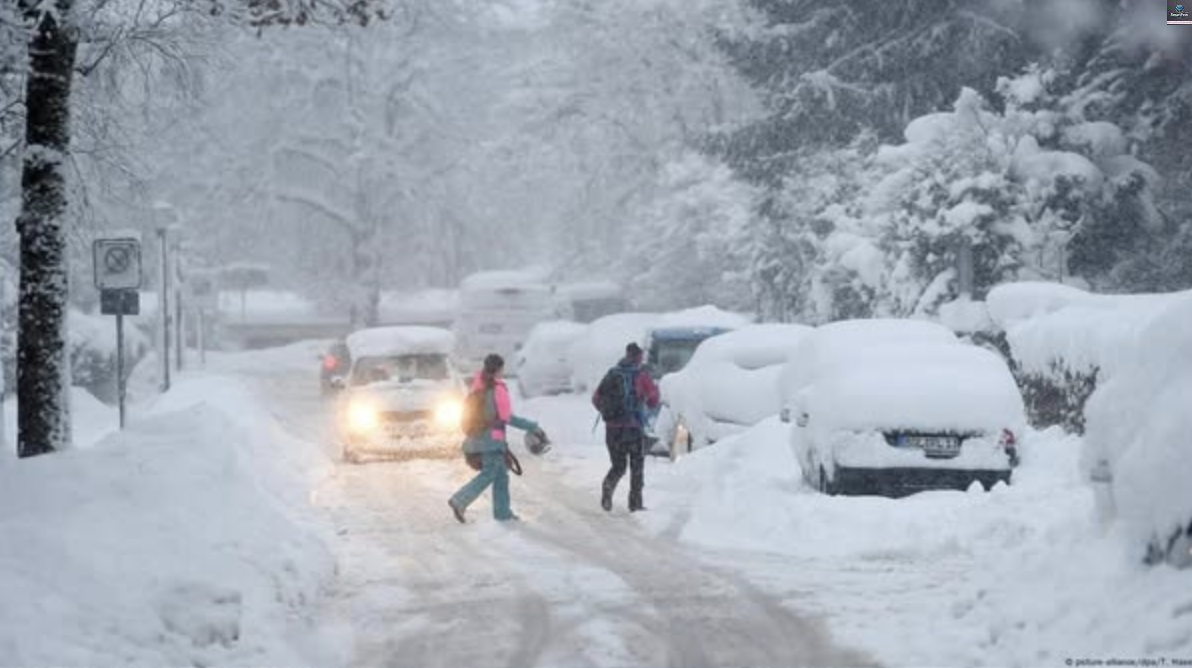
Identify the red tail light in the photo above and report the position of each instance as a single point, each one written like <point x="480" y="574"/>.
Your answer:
<point x="330" y="363"/>
<point x="1008" y="440"/>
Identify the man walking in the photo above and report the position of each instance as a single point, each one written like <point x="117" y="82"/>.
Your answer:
<point x="622" y="399"/>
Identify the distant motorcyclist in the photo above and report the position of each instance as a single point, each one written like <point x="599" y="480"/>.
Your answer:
<point x="623" y="397"/>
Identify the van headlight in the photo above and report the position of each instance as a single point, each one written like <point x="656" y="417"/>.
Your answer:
<point x="362" y="417"/>
<point x="448" y="413"/>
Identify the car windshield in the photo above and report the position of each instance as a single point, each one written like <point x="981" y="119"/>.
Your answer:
<point x="401" y="368"/>
<point x="671" y="356"/>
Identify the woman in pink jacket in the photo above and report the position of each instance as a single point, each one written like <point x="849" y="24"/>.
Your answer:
<point x="491" y="444"/>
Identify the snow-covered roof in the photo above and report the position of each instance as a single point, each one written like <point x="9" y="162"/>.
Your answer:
<point x="400" y="340"/>
<point x="752" y="346"/>
<point x="506" y="279"/>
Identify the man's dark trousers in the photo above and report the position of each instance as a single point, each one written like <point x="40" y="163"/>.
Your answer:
<point x="625" y="445"/>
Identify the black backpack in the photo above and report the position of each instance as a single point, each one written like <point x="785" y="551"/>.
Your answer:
<point x="474" y="420"/>
<point x="616" y="396"/>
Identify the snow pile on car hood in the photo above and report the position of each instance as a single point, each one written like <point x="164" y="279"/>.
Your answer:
<point x="159" y="546"/>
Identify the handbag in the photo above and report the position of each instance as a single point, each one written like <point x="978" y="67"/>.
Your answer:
<point x="476" y="461"/>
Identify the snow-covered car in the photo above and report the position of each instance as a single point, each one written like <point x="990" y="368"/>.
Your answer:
<point x="831" y="344"/>
<point x="728" y="385"/>
<point x="669" y="349"/>
<point x="1136" y="442"/>
<point x="894" y="419"/>
<point x="403" y="396"/>
<point x="542" y="365"/>
<point x="602" y="344"/>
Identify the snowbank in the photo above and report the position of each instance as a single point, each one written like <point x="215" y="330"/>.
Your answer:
<point x="90" y="420"/>
<point x="159" y="546"/>
<point x="938" y="578"/>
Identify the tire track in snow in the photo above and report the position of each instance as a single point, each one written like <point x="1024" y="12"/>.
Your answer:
<point x="711" y="616"/>
<point x="416" y="589"/>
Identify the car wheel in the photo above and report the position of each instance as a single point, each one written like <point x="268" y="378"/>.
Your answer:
<point x="825" y="485"/>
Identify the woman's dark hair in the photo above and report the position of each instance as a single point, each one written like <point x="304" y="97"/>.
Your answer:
<point x="493" y="363"/>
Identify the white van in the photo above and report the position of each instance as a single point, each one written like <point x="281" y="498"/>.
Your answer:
<point x="497" y="310"/>
<point x="585" y="302"/>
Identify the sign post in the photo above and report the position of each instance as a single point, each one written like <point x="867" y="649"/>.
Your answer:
<point x="117" y="265"/>
<point x="203" y="298"/>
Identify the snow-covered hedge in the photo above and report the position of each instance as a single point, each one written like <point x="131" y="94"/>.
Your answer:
<point x="1062" y="341"/>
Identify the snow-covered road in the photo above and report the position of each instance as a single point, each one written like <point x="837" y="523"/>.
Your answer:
<point x="570" y="585"/>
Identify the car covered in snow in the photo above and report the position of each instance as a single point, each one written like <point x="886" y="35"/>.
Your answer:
<point x="669" y="349"/>
<point x="894" y="419"/>
<point x="728" y="385"/>
<point x="831" y="344"/>
<point x="542" y="363"/>
<point x="403" y="396"/>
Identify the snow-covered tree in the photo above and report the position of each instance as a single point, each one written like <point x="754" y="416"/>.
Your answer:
<point x="688" y="247"/>
<point x="1022" y="189"/>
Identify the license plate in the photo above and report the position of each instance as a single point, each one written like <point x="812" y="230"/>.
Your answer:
<point x="934" y="446"/>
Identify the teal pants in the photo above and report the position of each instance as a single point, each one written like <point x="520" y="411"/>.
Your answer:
<point x="492" y="473"/>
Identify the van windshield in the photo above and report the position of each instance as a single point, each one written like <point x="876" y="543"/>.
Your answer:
<point x="401" y="368"/>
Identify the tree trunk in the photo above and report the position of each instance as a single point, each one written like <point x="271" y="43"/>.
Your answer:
<point x="43" y="369"/>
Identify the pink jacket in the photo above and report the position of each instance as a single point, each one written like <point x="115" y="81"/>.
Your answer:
<point x="504" y="405"/>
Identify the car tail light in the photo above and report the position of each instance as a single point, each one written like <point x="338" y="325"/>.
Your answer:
<point x="1008" y="439"/>
<point x="330" y="362"/>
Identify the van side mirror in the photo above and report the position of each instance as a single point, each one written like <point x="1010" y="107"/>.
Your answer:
<point x="785" y="415"/>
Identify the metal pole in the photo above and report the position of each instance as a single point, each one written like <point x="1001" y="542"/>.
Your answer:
<point x="164" y="310"/>
<point x="179" y="334"/>
<point x="200" y="341"/>
<point x="120" y="385"/>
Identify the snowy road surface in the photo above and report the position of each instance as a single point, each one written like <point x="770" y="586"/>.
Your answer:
<point x="570" y="585"/>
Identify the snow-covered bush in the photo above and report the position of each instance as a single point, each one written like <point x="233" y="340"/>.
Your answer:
<point x="93" y="352"/>
<point x="1063" y="341"/>
<point x="1138" y="423"/>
